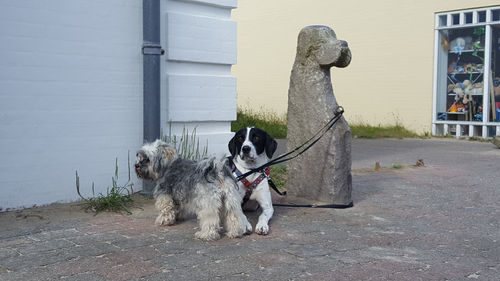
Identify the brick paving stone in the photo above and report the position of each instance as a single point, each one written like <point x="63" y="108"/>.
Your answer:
<point x="129" y="271"/>
<point x="86" y="276"/>
<point x="94" y="249"/>
<point x="6" y="253"/>
<point x="14" y="242"/>
<point x="135" y="242"/>
<point x="96" y="237"/>
<point x="55" y="234"/>
<point x="139" y="254"/>
<point x="44" y="246"/>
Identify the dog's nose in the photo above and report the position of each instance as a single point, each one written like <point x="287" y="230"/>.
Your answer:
<point x="343" y="44"/>
<point x="246" y="149"/>
<point x="137" y="165"/>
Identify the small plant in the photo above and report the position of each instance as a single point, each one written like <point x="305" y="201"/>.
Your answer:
<point x="272" y="123"/>
<point x="397" y="166"/>
<point x="188" y="146"/>
<point x="278" y="175"/>
<point x="117" y="198"/>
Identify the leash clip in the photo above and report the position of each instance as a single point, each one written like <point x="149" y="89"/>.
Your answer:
<point x="339" y="110"/>
<point x="268" y="177"/>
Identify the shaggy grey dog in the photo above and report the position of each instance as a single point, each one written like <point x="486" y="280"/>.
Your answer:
<point x="205" y="188"/>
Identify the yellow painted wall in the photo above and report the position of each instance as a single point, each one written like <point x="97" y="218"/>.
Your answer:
<point x="392" y="43"/>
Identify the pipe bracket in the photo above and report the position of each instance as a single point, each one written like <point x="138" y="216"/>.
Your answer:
<point x="152" y="49"/>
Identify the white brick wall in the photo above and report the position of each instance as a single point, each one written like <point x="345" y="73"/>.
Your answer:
<point x="70" y="96"/>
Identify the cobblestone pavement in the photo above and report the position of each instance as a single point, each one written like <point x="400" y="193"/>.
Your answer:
<point x="438" y="222"/>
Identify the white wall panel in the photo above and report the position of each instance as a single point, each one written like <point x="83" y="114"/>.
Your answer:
<point x="200" y="39"/>
<point x="198" y="98"/>
<point x="221" y="3"/>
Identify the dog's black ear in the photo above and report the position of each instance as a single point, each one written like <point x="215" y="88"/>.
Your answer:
<point x="232" y="146"/>
<point x="271" y="146"/>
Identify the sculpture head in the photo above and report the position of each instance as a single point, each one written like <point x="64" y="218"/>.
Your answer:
<point x="318" y="44"/>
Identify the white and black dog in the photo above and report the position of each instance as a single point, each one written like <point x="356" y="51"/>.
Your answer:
<point x="250" y="148"/>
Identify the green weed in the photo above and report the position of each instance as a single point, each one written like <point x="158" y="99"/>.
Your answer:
<point x="397" y="166"/>
<point x="188" y="145"/>
<point x="117" y="198"/>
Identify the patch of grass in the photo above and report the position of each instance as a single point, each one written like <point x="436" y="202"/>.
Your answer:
<point x="374" y="132"/>
<point x="278" y="175"/>
<point x="273" y="123"/>
<point x="397" y="166"/>
<point x="478" y="139"/>
<point x="427" y="135"/>
<point x="117" y="198"/>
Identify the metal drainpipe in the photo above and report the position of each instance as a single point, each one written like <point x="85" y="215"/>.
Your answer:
<point x="151" y="51"/>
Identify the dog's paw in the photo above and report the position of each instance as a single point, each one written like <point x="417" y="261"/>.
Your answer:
<point x="207" y="235"/>
<point x="232" y="235"/>
<point x="262" y="229"/>
<point x="236" y="233"/>
<point x="165" y="219"/>
<point x="248" y="228"/>
<point x="238" y="230"/>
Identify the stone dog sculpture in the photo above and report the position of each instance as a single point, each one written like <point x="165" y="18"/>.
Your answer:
<point x="323" y="173"/>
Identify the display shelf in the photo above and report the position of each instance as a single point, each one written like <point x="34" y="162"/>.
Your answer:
<point x="473" y="72"/>
<point x="466" y="51"/>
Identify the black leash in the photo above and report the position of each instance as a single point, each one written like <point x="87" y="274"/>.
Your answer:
<point x="308" y="144"/>
<point x="332" y="206"/>
<point x="274" y="187"/>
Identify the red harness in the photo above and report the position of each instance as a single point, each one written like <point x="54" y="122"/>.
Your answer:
<point x="250" y="186"/>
